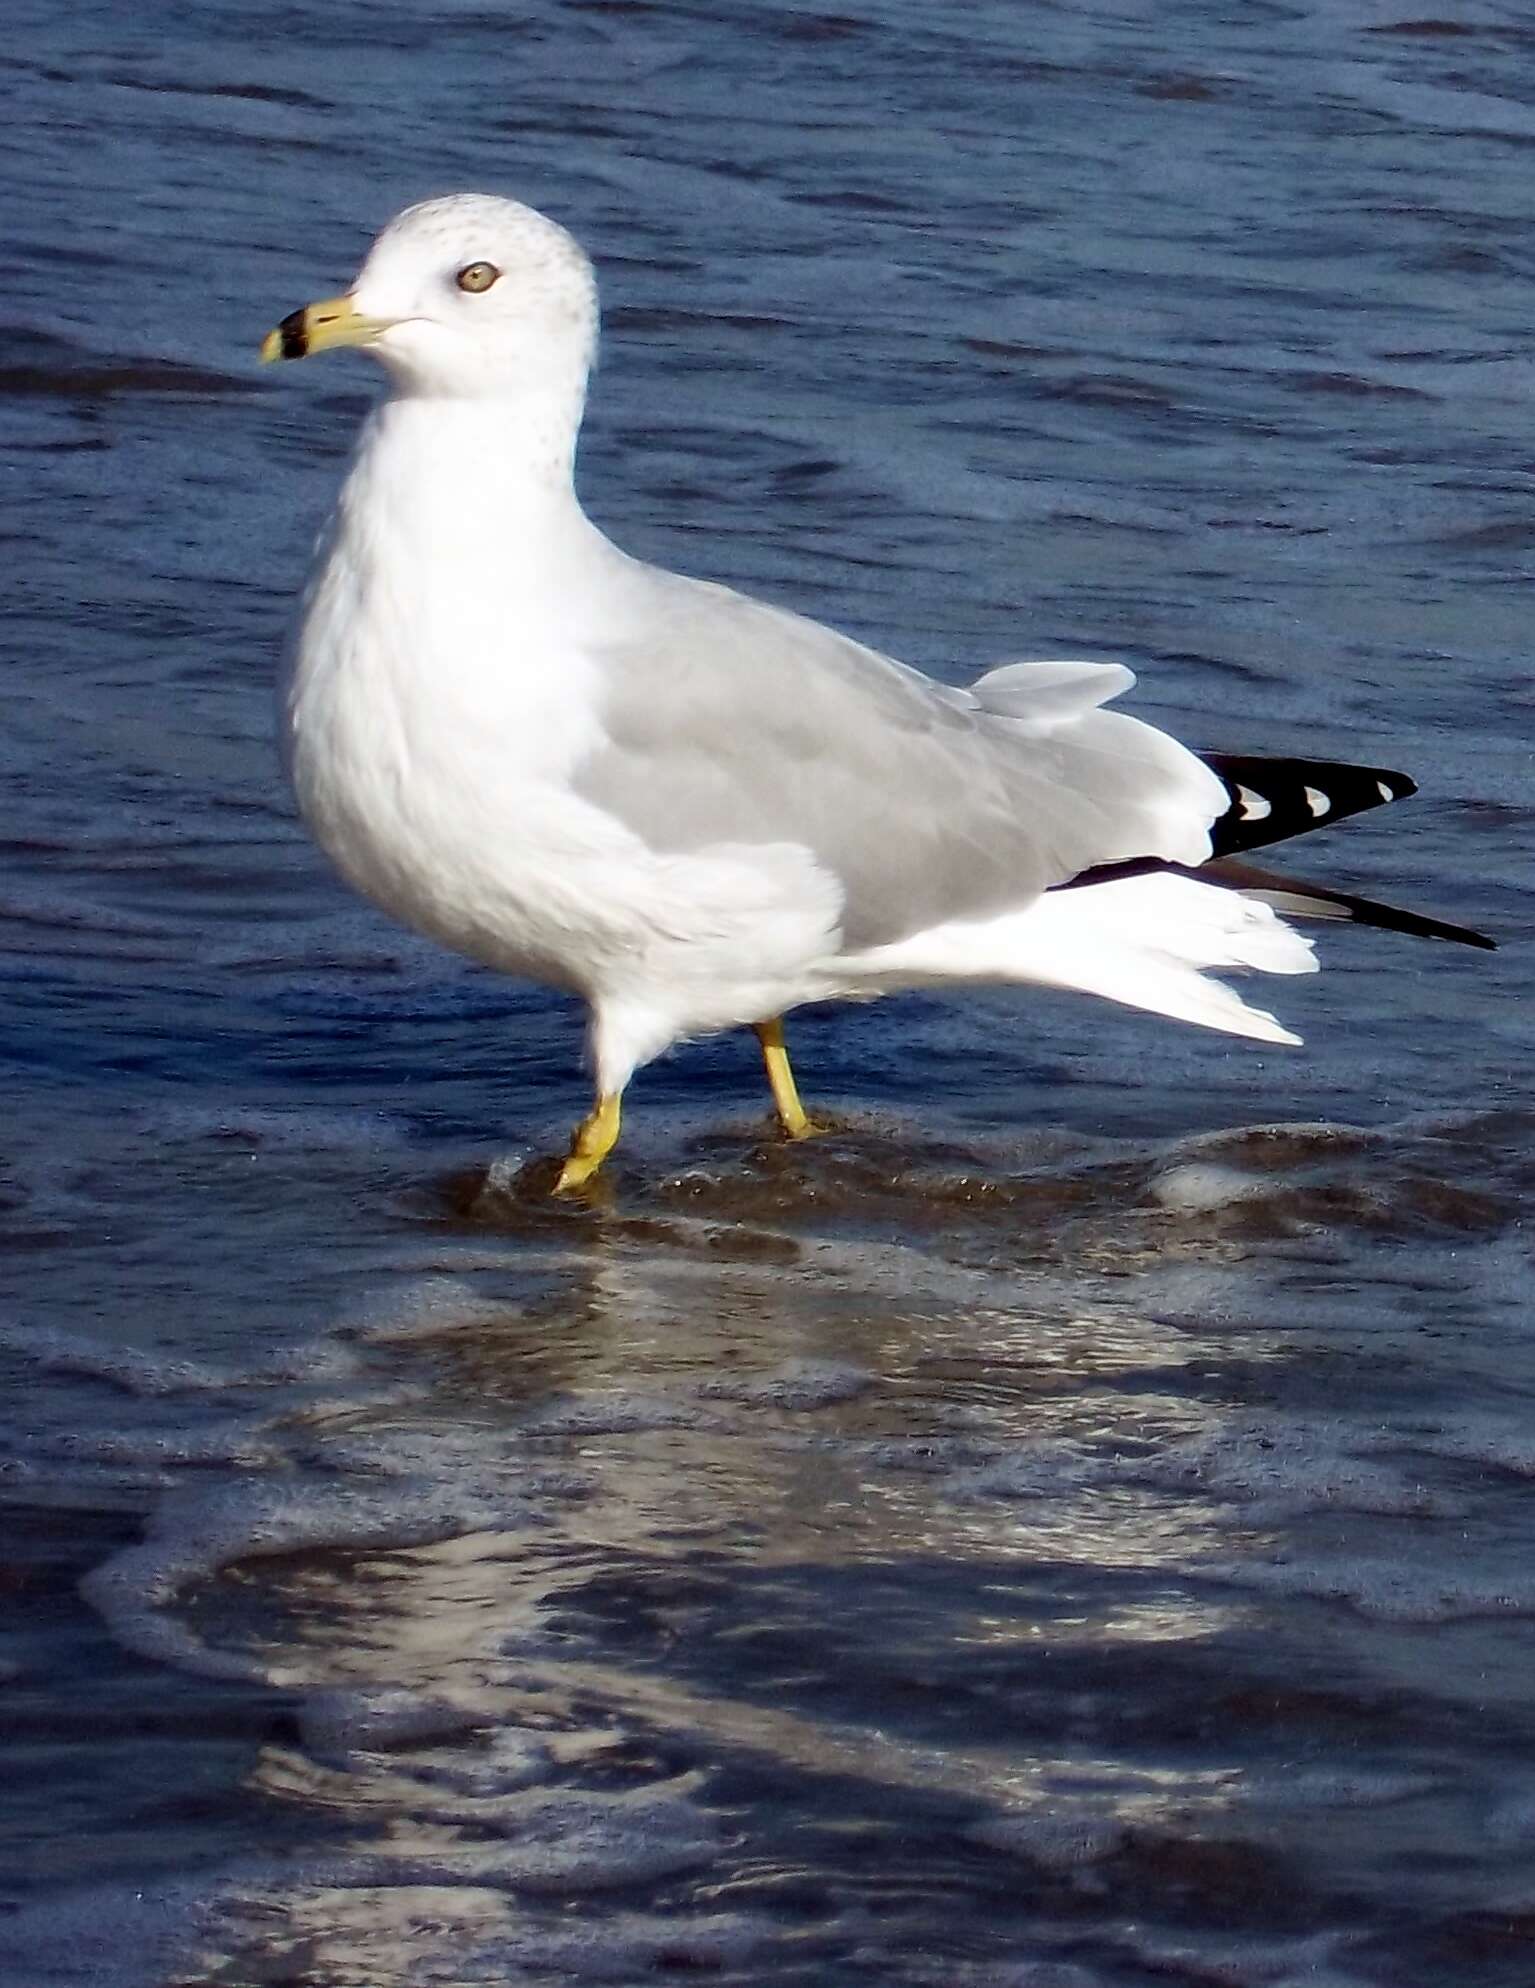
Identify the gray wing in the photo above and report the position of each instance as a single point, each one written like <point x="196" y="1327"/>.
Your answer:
<point x="727" y="721"/>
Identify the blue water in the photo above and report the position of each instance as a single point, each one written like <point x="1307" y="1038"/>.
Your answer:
<point x="1070" y="1529"/>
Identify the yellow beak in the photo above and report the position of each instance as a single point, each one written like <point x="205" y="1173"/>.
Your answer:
<point x="317" y="327"/>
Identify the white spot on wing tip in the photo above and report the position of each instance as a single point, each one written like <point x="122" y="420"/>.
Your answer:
<point x="1318" y="802"/>
<point x="1253" y="806"/>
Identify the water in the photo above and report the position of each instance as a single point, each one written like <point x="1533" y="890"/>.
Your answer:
<point x="1073" y="1526"/>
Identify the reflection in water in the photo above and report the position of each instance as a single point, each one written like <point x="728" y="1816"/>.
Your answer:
<point x="592" y="1548"/>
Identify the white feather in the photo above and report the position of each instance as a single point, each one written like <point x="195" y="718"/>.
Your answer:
<point x="1144" y="941"/>
<point x="1044" y="696"/>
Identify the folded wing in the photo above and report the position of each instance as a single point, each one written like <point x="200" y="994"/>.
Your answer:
<point x="728" y="723"/>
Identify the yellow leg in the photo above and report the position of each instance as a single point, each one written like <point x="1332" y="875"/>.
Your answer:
<point x="596" y="1136"/>
<point x="791" y="1113"/>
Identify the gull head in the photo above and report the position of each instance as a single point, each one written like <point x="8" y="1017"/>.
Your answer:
<point x="468" y="296"/>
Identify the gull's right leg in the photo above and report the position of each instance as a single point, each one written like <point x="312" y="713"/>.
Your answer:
<point x="595" y="1137"/>
<point x="620" y="1035"/>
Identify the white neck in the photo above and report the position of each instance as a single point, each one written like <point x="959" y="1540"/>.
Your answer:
<point x="455" y="598"/>
<point x="456" y="467"/>
<point x="458" y="550"/>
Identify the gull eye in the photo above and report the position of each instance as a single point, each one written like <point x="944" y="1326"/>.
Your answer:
<point x="477" y="276"/>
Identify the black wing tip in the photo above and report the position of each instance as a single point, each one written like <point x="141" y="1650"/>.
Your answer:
<point x="1273" y="799"/>
<point x="1283" y="891"/>
<point x="1289" y="893"/>
<point x="1419" y="926"/>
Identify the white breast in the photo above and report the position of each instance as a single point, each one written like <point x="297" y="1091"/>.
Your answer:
<point x="431" y="720"/>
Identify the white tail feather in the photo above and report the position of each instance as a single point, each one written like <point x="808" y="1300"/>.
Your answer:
<point x="1144" y="941"/>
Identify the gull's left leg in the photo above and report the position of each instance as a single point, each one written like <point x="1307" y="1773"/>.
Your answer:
<point x="595" y="1137"/>
<point x="791" y="1113"/>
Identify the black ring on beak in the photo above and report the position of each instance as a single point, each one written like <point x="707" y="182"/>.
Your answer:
<point x="294" y="335"/>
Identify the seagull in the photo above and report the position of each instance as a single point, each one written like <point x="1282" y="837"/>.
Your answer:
<point x="692" y="809"/>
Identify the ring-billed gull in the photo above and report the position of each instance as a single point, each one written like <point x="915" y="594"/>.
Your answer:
<point x="692" y="809"/>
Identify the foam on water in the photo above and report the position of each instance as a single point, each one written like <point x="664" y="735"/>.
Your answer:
<point x="1056" y="1838"/>
<point x="65" y="1352"/>
<point x="539" y="1841"/>
<point x="424" y="1308"/>
<point x="196" y="1534"/>
<point x="798" y="1385"/>
<point x="1390" y="1590"/>
<point x="343" y="1722"/>
<point x="1284" y="1467"/>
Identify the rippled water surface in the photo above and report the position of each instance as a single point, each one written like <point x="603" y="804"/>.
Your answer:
<point x="1071" y="1527"/>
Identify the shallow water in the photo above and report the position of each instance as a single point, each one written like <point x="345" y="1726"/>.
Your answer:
<point x="1071" y="1526"/>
